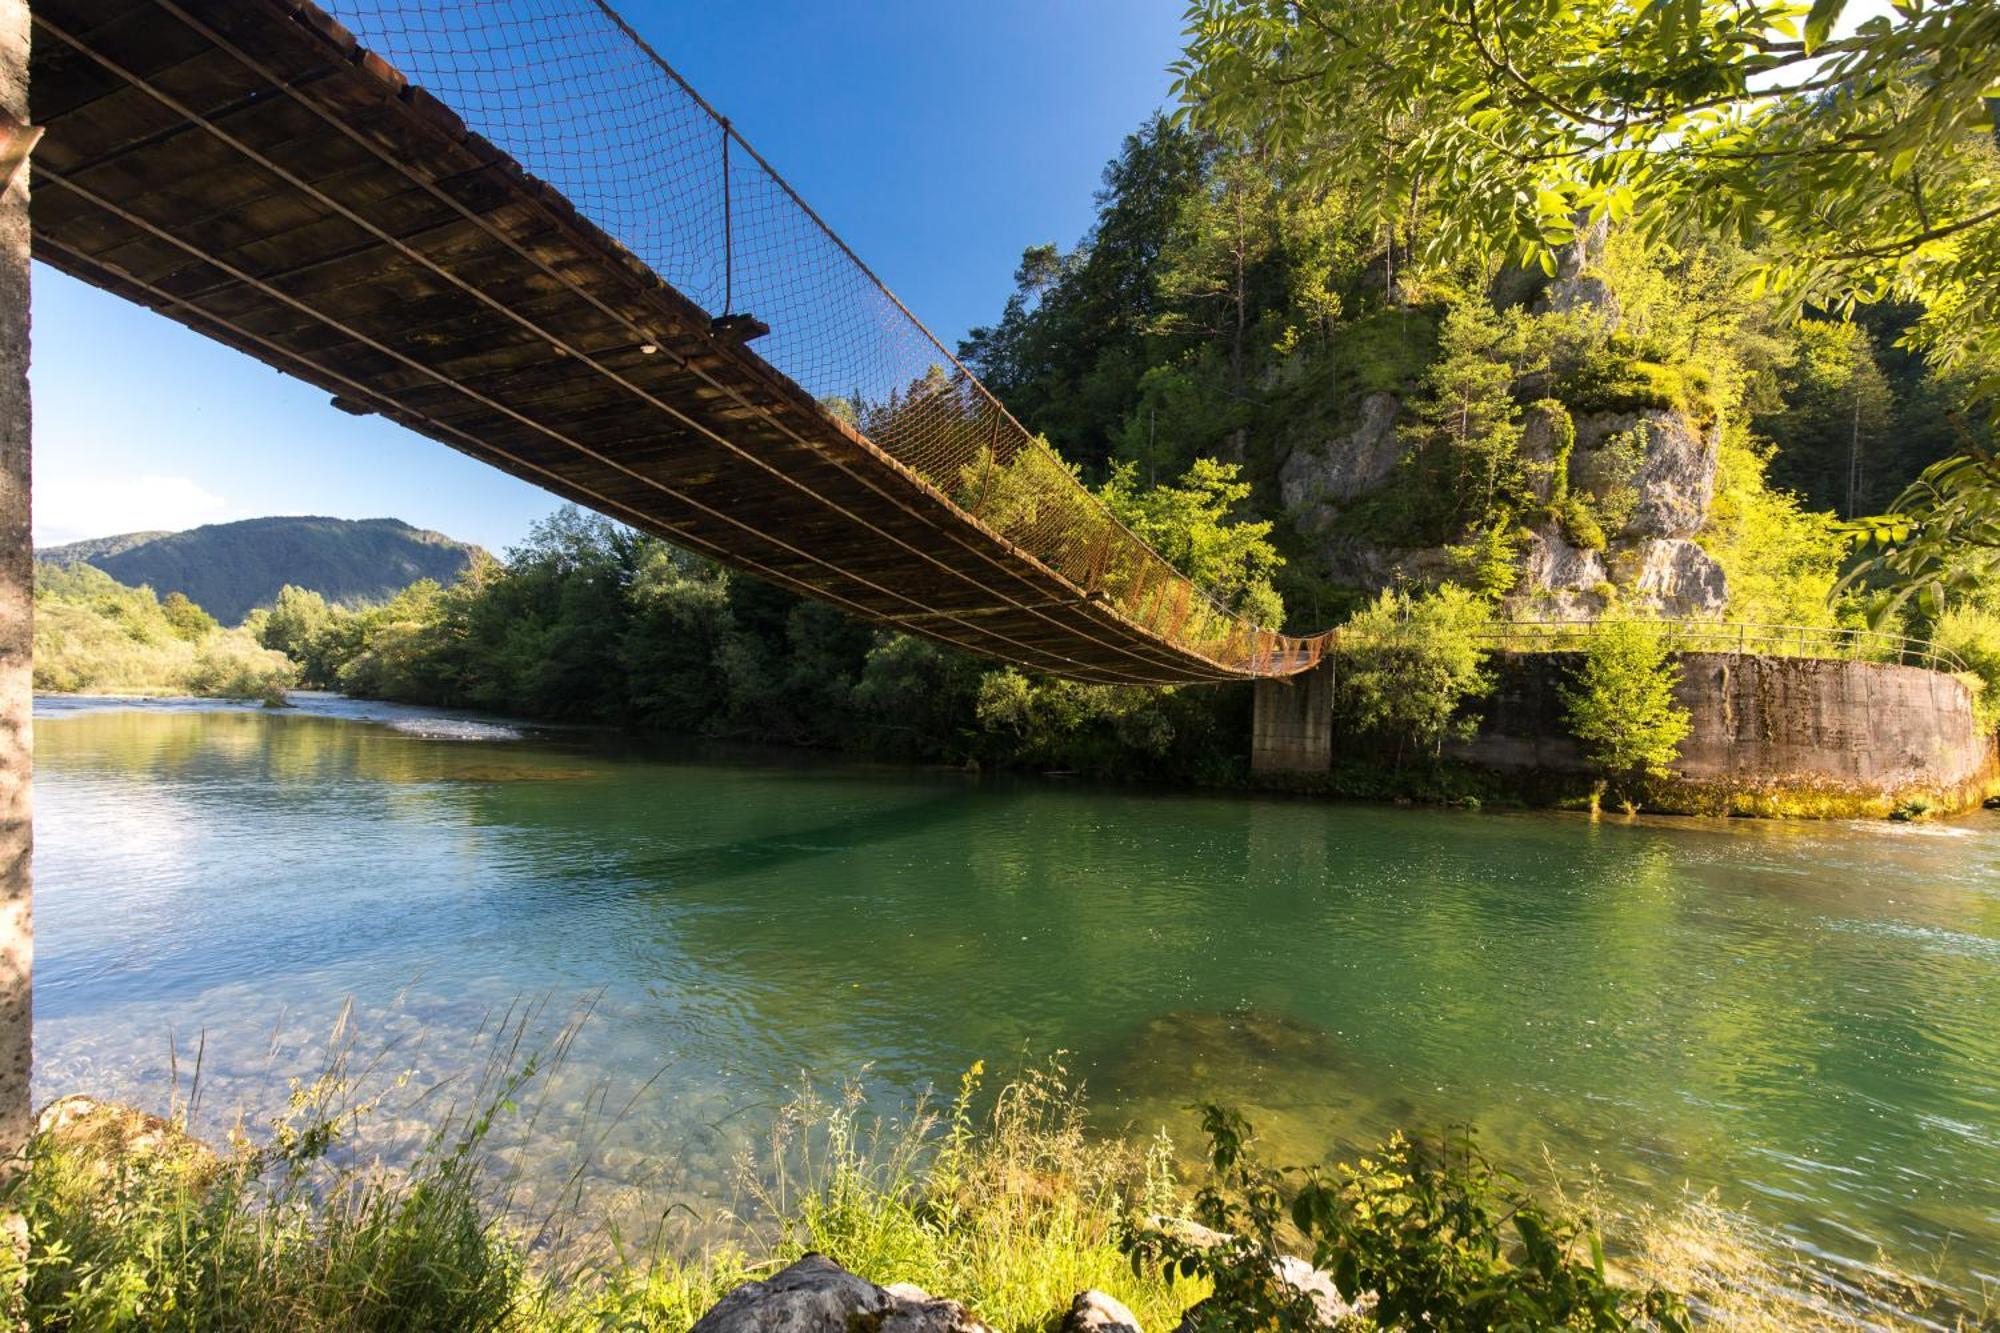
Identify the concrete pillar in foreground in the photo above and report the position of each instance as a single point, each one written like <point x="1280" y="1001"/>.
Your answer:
<point x="1292" y="723"/>
<point x="17" y="601"/>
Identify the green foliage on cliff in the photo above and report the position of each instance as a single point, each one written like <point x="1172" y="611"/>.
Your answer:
<point x="95" y="635"/>
<point x="1783" y="561"/>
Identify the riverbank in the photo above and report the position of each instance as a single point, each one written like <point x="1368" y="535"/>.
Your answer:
<point x="1003" y="1204"/>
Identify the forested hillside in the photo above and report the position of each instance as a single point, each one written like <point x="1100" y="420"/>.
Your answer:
<point x="230" y="568"/>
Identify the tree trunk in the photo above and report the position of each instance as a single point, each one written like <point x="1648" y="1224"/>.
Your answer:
<point x="17" y="637"/>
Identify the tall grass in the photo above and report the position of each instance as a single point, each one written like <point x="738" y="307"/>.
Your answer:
<point x="1012" y="1211"/>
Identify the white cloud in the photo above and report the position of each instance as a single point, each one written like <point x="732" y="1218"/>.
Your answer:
<point x="70" y="509"/>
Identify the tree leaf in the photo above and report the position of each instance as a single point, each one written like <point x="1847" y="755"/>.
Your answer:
<point x="1819" y="23"/>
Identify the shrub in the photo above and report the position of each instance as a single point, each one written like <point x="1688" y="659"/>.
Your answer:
<point x="1579" y="525"/>
<point x="231" y="665"/>
<point x="1489" y="561"/>
<point x="1408" y="665"/>
<point x="187" y="620"/>
<point x="1973" y="634"/>
<point x="1438" y="1237"/>
<point x="1782" y="560"/>
<point x="1620" y="702"/>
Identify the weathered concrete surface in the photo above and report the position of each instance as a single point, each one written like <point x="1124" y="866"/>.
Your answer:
<point x="17" y="629"/>
<point x="1865" y="725"/>
<point x="1292" y="723"/>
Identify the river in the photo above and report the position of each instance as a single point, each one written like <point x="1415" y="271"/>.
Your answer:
<point x="1802" y="1017"/>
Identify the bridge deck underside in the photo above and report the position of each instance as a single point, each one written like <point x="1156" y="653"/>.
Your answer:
<point x="243" y="167"/>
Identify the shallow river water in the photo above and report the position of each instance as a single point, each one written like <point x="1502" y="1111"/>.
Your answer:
<point x="1802" y="1017"/>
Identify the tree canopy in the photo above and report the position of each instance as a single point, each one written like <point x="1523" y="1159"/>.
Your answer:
<point x="1857" y="163"/>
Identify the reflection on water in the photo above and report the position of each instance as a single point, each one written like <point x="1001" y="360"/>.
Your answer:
<point x="1806" y="1017"/>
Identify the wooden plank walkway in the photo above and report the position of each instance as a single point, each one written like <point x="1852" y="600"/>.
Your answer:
<point x="246" y="168"/>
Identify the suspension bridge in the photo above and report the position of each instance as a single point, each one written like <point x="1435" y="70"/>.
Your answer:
<point x="510" y="226"/>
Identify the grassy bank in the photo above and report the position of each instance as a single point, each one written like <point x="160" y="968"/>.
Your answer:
<point x="1010" y="1209"/>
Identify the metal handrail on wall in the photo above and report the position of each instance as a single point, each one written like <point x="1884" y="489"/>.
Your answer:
<point x="1837" y="642"/>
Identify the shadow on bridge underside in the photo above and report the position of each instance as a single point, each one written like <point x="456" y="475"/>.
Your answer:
<point x="247" y="168"/>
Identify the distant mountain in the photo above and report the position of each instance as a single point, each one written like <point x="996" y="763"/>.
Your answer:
<point x="231" y="568"/>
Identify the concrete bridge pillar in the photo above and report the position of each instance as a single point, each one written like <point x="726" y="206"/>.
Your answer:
<point x="1292" y="723"/>
<point x="17" y="606"/>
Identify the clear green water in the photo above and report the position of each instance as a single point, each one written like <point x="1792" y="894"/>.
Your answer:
<point x="1804" y="1017"/>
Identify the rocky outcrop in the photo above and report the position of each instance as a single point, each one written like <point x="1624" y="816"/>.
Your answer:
<point x="1671" y="479"/>
<point x="1564" y="581"/>
<point x="1574" y="287"/>
<point x="1359" y="565"/>
<point x="1672" y="576"/>
<point x="1346" y="466"/>
<point x="817" y="1295"/>
<point x="1647" y="477"/>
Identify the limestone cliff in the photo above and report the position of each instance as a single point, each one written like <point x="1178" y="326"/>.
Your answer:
<point x="1621" y="490"/>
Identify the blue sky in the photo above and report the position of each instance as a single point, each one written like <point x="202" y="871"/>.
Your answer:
<point x="937" y="139"/>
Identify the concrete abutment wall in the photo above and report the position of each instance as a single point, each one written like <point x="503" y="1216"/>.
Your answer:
<point x="1292" y="723"/>
<point x="1870" y="726"/>
<point x="1763" y="725"/>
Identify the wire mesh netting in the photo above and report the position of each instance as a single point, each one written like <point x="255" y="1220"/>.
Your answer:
<point x="572" y="93"/>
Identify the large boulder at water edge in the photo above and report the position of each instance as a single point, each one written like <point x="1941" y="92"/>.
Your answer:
<point x="817" y="1295"/>
<point x="1096" y="1311"/>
